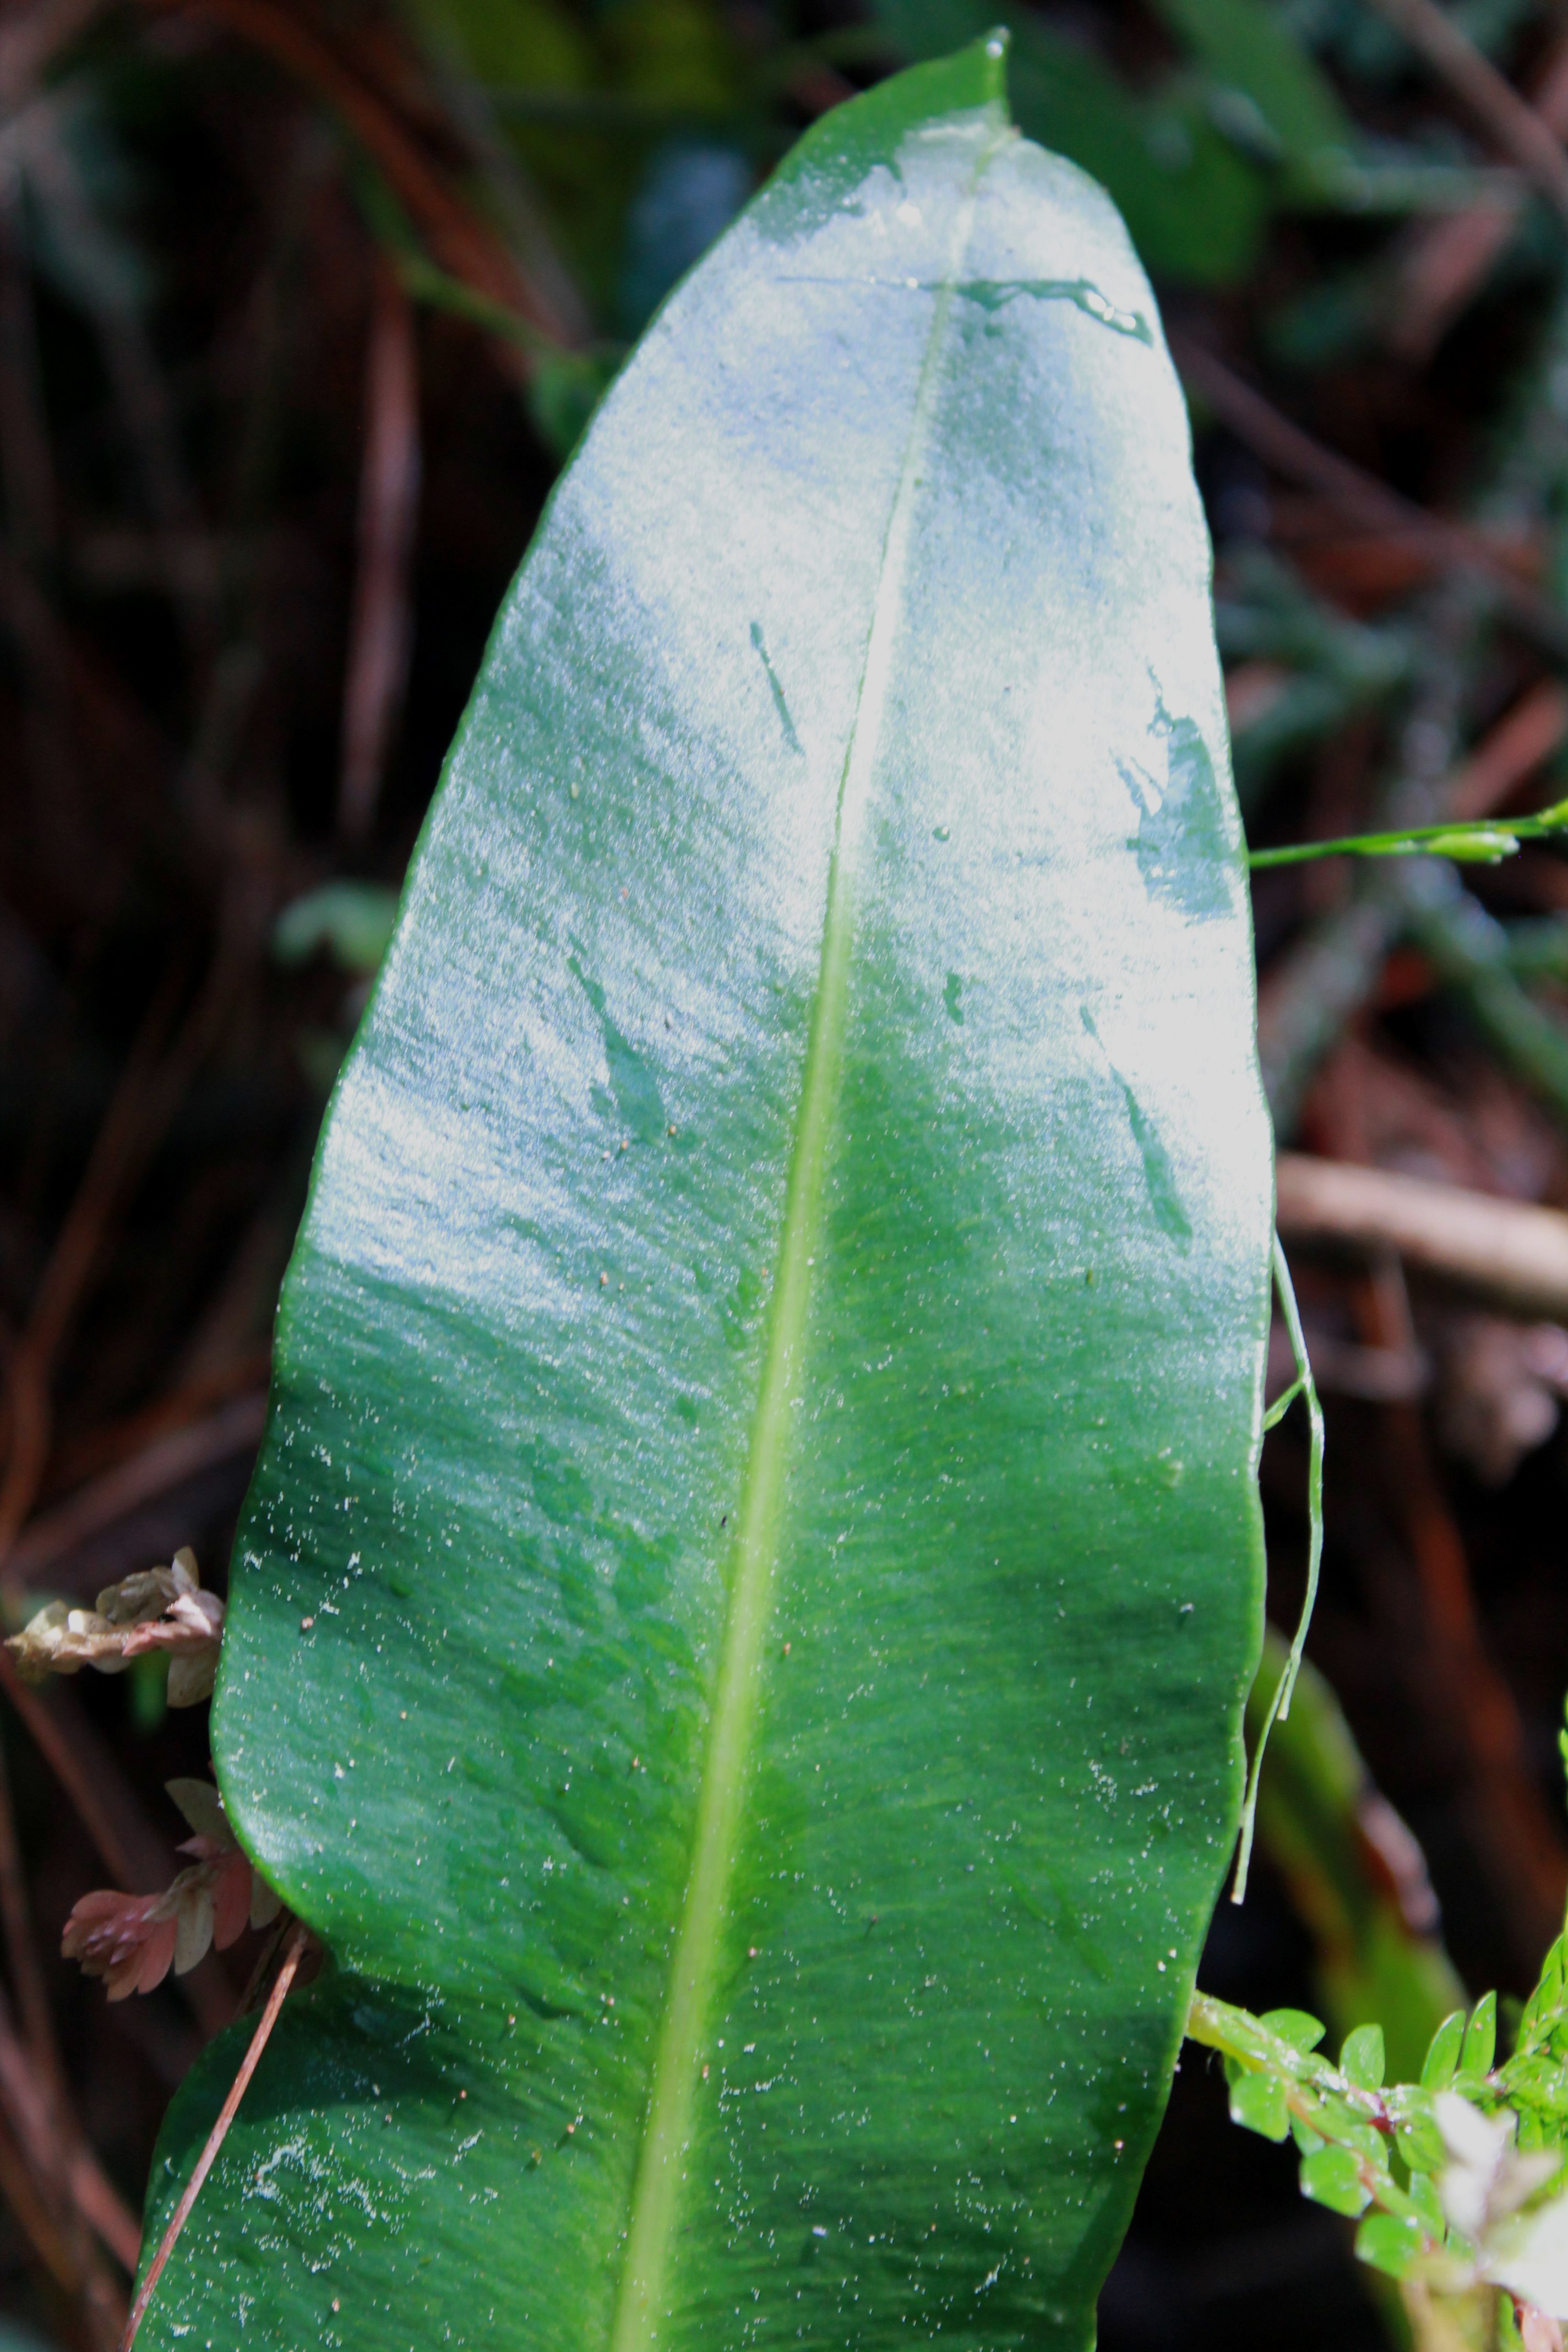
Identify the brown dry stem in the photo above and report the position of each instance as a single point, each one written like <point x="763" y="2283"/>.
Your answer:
<point x="219" y="2132"/>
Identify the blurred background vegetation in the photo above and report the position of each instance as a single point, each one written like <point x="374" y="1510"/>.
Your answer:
<point x="303" y="303"/>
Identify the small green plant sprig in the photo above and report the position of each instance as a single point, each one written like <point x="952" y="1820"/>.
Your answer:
<point x="1481" y="842"/>
<point x="1455" y="2179"/>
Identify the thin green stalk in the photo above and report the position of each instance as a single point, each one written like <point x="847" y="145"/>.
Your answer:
<point x="1304" y="1386"/>
<point x="1480" y="843"/>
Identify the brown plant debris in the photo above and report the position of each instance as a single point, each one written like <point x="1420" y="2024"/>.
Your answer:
<point x="156" y="1608"/>
<point x="131" y="1940"/>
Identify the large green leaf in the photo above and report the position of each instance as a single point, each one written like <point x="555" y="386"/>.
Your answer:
<point x="739" y="1634"/>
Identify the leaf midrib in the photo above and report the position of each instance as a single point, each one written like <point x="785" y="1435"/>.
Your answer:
<point x="683" y="2023"/>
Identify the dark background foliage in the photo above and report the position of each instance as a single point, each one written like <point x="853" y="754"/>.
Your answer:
<point x="302" y="304"/>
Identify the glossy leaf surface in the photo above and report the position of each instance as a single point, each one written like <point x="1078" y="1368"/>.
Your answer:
<point x="739" y="1634"/>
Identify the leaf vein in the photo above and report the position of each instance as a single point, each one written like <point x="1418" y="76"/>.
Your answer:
<point x="673" y="2082"/>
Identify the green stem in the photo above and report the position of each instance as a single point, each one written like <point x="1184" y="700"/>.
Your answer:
<point x="1473" y="845"/>
<point x="1279" y="1704"/>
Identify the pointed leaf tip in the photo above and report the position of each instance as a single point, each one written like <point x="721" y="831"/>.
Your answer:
<point x="973" y="75"/>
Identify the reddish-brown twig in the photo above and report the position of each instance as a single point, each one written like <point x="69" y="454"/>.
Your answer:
<point x="56" y="2244"/>
<point x="264" y="1961"/>
<point x="61" y="2157"/>
<point x="65" y="1760"/>
<point x="1449" y="259"/>
<point x="219" y="2131"/>
<point x="1515" y="1835"/>
<point x="44" y="2233"/>
<point x="51" y="715"/>
<point x="460" y="242"/>
<point x="21" y="1950"/>
<point x="1508" y="1250"/>
<point x="1448" y="546"/>
<point x="104" y="2211"/>
<point x="65" y="1278"/>
<point x="78" y="714"/>
<point x="110" y="1445"/>
<point x="1514" y="122"/>
<point x="388" y="507"/>
<point x="49" y="1539"/>
<point x="144" y="1101"/>
<point x="69" y="2186"/>
<point x="1523" y="740"/>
